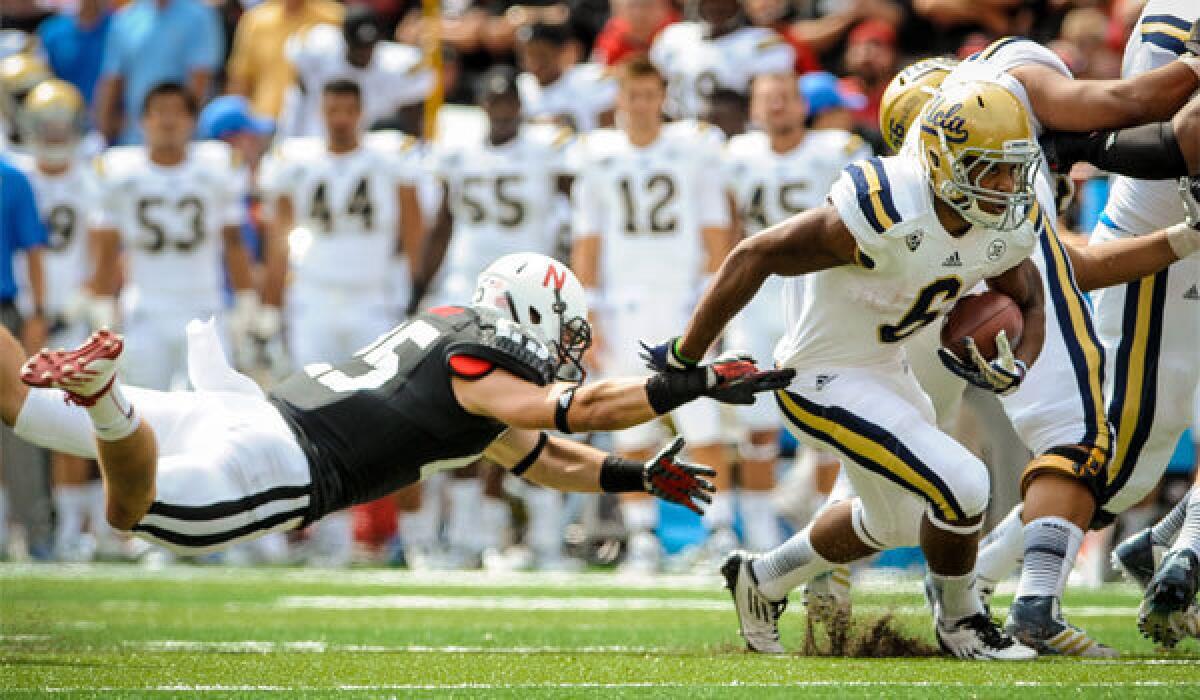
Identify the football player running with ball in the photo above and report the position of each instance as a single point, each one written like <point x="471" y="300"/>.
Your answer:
<point x="200" y="470"/>
<point x="864" y="291"/>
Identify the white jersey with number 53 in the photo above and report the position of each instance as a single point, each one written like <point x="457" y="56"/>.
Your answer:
<point x="347" y="202"/>
<point x="171" y="218"/>
<point x="910" y="269"/>
<point x="649" y="205"/>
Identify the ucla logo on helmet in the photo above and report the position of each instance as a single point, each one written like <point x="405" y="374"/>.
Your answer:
<point x="949" y="121"/>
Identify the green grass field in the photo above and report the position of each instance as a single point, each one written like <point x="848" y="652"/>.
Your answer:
<point x="84" y="631"/>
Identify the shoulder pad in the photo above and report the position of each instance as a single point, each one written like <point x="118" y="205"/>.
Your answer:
<point x="509" y="346"/>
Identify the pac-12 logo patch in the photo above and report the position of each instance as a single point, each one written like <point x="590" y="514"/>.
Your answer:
<point x="996" y="249"/>
<point x="913" y="240"/>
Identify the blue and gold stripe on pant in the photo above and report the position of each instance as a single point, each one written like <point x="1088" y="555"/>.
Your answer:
<point x="872" y="447"/>
<point x="1135" y="380"/>
<point x="1078" y="334"/>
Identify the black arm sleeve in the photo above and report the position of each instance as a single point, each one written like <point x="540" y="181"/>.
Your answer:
<point x="1147" y="152"/>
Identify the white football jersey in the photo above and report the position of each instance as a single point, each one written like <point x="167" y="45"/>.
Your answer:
<point x="581" y="95"/>
<point x="395" y="77"/>
<point x="171" y="218"/>
<point x="910" y="269"/>
<point x="1142" y="206"/>
<point x="64" y="202"/>
<point x="501" y="197"/>
<point x="695" y="65"/>
<point x="347" y="202"/>
<point x="650" y="204"/>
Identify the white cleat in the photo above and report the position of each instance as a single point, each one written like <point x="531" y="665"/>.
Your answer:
<point x="757" y="616"/>
<point x="979" y="637"/>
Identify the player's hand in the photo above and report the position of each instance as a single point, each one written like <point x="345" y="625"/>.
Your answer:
<point x="674" y="480"/>
<point x="735" y="379"/>
<point x="1001" y="376"/>
<point x="665" y="357"/>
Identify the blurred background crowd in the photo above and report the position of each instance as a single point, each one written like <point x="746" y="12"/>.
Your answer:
<point x="257" y="71"/>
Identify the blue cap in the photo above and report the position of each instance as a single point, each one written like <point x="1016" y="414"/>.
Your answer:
<point x="822" y="91"/>
<point x="230" y="115"/>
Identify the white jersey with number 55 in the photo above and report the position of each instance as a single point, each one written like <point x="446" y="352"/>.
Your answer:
<point x="171" y="217"/>
<point x="347" y="202"/>
<point x="649" y="205"/>
<point x="910" y="269"/>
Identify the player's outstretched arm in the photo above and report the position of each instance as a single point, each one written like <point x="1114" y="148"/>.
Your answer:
<point x="611" y="404"/>
<point x="565" y="465"/>
<point x="808" y="242"/>
<point x="1125" y="260"/>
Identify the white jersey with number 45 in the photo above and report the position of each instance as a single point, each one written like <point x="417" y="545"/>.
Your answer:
<point x="910" y="269"/>
<point x="171" y="217"/>
<point x="347" y="202"/>
<point x="649" y="205"/>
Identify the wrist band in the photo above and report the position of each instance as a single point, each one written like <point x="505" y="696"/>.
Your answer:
<point x="524" y="465"/>
<point x="564" y="402"/>
<point x="618" y="475"/>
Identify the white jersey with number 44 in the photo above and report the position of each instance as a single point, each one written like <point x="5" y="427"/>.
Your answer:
<point x="346" y="202"/>
<point x="171" y="217"/>
<point x="650" y="204"/>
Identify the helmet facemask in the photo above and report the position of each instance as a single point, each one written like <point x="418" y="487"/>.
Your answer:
<point x="970" y="166"/>
<point x="574" y="339"/>
<point x="53" y="139"/>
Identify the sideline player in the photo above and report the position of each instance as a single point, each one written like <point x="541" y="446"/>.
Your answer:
<point x="51" y="124"/>
<point x="966" y="195"/>
<point x="353" y="194"/>
<point x="175" y="209"/>
<point x="199" y="470"/>
<point x="720" y="49"/>
<point x="651" y="221"/>
<point x="773" y="174"/>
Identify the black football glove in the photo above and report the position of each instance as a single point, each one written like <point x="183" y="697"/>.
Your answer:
<point x="1001" y="376"/>
<point x="674" y="480"/>
<point x="735" y="379"/>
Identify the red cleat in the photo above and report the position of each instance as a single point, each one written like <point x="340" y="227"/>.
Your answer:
<point x="85" y="373"/>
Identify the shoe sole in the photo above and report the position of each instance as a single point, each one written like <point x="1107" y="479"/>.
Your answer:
<point x="49" y="369"/>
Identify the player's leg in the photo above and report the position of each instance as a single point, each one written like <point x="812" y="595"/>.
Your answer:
<point x="1059" y="414"/>
<point x="639" y="512"/>
<point x="700" y="425"/>
<point x="69" y="475"/>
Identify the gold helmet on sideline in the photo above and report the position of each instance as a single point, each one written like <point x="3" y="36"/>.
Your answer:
<point x="907" y="94"/>
<point x="19" y="73"/>
<point x="968" y="131"/>
<point x="52" y="121"/>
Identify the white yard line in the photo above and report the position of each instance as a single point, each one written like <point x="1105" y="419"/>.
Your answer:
<point x="177" y="688"/>
<point x="250" y="646"/>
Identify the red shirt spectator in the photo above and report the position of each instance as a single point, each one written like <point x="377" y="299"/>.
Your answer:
<point x="632" y="29"/>
<point x="871" y="62"/>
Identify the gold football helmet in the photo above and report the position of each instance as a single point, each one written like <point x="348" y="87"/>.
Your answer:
<point x="973" y="137"/>
<point x="907" y="94"/>
<point x="19" y="73"/>
<point x="52" y="120"/>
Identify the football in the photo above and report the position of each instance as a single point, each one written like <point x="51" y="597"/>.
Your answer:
<point x="982" y="316"/>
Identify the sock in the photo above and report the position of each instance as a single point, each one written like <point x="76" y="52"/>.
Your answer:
<point x="1051" y="544"/>
<point x="719" y="514"/>
<point x="760" y="522"/>
<point x="1164" y="531"/>
<point x="70" y="508"/>
<point x="639" y="514"/>
<point x="495" y="523"/>
<point x="1001" y="549"/>
<point x="956" y="596"/>
<point x="113" y="417"/>
<point x="464" y="505"/>
<point x="1189" y="534"/>
<point x="545" y="530"/>
<point x="789" y="565"/>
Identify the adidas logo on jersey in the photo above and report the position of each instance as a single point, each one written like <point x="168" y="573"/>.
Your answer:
<point x="823" y="380"/>
<point x="1192" y="293"/>
<point x="953" y="261"/>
